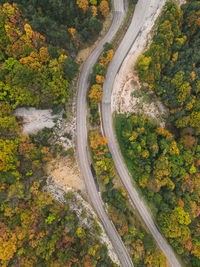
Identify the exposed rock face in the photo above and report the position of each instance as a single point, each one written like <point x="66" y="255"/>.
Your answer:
<point x="35" y="119"/>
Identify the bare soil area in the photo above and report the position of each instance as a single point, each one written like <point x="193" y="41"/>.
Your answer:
<point x="65" y="170"/>
<point x="133" y="99"/>
<point x="181" y="2"/>
<point x="35" y="119"/>
<point x="123" y="99"/>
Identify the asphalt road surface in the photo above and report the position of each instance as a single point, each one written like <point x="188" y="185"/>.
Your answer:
<point x="119" y="14"/>
<point x="145" y="9"/>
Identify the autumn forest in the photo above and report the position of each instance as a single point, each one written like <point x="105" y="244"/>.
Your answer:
<point x="37" y="64"/>
<point x="39" y="45"/>
<point x="164" y="161"/>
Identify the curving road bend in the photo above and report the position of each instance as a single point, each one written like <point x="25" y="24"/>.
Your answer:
<point x="145" y="9"/>
<point x="119" y="14"/>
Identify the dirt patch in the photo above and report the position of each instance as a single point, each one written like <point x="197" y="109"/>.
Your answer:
<point x="126" y="81"/>
<point x="181" y="2"/>
<point x="65" y="170"/>
<point x="132" y="98"/>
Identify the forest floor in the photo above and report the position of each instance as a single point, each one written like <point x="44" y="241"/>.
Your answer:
<point x="134" y="98"/>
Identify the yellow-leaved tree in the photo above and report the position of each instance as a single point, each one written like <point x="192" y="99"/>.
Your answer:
<point x="104" y="8"/>
<point x="83" y="4"/>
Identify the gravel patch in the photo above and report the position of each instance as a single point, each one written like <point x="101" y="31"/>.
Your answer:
<point x="35" y="119"/>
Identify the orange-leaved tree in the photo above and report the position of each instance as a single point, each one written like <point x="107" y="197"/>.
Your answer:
<point x="83" y="4"/>
<point x="97" y="141"/>
<point x="104" y="8"/>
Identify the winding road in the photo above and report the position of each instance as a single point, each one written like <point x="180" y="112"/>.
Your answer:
<point x="145" y="10"/>
<point x="118" y="16"/>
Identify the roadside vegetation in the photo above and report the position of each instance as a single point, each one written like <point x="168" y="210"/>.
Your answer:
<point x="139" y="243"/>
<point x="165" y="161"/>
<point x="96" y="83"/>
<point x="125" y="24"/>
<point x="35" y="229"/>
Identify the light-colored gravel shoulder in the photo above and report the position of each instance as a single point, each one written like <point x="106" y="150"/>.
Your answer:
<point x="126" y="82"/>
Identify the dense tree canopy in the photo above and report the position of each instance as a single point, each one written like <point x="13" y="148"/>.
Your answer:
<point x="139" y="243"/>
<point x="165" y="161"/>
<point x="171" y="65"/>
<point x="36" y="230"/>
<point x="65" y="23"/>
<point x="29" y="74"/>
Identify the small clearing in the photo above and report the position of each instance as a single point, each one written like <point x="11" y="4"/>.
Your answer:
<point x="35" y="119"/>
<point x="66" y="171"/>
<point x="136" y="99"/>
<point x="181" y="2"/>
